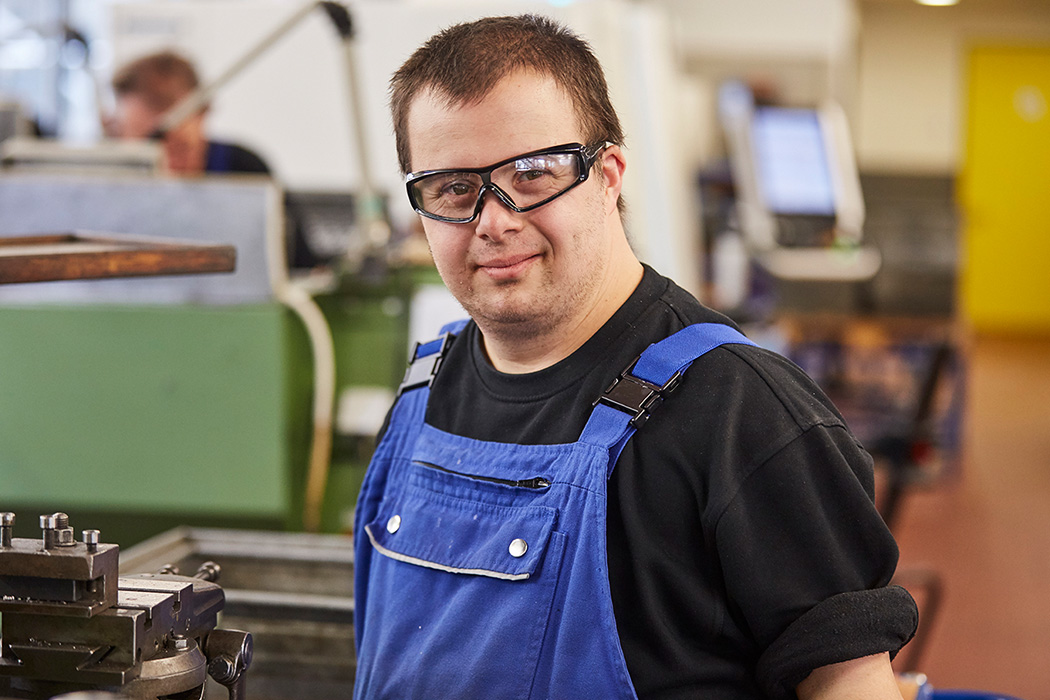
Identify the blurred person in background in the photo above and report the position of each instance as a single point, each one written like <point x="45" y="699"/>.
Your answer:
<point x="146" y="89"/>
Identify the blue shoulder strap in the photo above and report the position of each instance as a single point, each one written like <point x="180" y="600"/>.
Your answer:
<point x="640" y="388"/>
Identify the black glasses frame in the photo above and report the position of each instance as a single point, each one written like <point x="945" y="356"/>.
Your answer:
<point x="586" y="154"/>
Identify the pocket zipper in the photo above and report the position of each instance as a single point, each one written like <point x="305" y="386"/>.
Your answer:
<point x="536" y="482"/>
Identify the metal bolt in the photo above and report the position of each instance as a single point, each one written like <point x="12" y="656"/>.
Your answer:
<point x="57" y="532"/>
<point x="222" y="669"/>
<point x="7" y="523"/>
<point x="47" y="525"/>
<point x="182" y="643"/>
<point x="208" y="571"/>
<point x="64" y="531"/>
<point x="91" y="539"/>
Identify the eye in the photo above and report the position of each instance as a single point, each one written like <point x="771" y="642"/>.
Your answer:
<point x="529" y="175"/>
<point x="448" y="187"/>
<point x="456" y="189"/>
<point x="534" y="172"/>
<point x="547" y="170"/>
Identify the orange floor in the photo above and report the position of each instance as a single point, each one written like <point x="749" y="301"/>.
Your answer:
<point x="987" y="532"/>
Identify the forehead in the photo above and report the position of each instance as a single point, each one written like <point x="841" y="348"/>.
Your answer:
<point x="525" y="111"/>
<point x="136" y="102"/>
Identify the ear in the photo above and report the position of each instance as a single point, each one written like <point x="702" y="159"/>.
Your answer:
<point x="613" y="163"/>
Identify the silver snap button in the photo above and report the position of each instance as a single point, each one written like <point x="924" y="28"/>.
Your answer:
<point x="394" y="524"/>
<point x="518" y="548"/>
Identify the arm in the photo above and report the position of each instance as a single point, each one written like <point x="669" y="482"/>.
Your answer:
<point x="866" y="678"/>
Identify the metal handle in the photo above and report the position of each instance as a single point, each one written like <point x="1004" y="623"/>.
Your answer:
<point x="229" y="655"/>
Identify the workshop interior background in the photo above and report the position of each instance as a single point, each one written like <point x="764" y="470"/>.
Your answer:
<point x="142" y="406"/>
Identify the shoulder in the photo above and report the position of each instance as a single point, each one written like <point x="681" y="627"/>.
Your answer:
<point x="733" y="379"/>
<point x="740" y="409"/>
<point x="767" y="380"/>
<point x="671" y="307"/>
<point x="736" y="409"/>
<point x="233" y="158"/>
<point x="734" y="376"/>
<point x="742" y="398"/>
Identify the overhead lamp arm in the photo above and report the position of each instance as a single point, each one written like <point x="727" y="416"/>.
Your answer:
<point x="199" y="98"/>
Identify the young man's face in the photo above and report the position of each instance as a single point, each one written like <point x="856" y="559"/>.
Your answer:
<point x="540" y="271"/>
<point x="135" y="118"/>
<point x="185" y="146"/>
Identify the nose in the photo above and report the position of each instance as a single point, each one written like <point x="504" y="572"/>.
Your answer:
<point x="496" y="219"/>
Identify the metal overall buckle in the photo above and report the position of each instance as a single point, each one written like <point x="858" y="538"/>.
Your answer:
<point x="422" y="370"/>
<point x="635" y="396"/>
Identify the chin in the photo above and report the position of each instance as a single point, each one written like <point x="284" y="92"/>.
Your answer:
<point x="518" y="322"/>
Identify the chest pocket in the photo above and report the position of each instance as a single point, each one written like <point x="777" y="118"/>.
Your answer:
<point x="457" y="536"/>
<point x="468" y="587"/>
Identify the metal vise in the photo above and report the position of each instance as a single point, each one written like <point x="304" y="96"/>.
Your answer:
<point x="69" y="623"/>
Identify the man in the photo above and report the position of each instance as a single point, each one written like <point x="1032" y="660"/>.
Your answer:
<point x="150" y="86"/>
<point x="146" y="89"/>
<point x="702" y="531"/>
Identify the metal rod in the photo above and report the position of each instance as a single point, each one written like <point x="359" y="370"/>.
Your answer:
<point x="7" y="524"/>
<point x="193" y="102"/>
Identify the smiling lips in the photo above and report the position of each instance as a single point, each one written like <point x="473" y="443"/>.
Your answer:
<point x="507" y="268"/>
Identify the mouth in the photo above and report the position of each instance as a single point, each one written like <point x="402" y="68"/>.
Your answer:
<point x="507" y="268"/>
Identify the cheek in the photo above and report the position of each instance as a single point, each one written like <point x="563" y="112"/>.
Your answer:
<point x="186" y="134"/>
<point x="580" y="240"/>
<point x="448" y="249"/>
<point x="135" y="123"/>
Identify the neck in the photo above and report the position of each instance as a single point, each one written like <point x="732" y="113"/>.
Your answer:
<point x="523" y="348"/>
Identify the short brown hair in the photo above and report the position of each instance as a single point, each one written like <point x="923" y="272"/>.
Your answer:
<point x="161" y="79"/>
<point x="466" y="61"/>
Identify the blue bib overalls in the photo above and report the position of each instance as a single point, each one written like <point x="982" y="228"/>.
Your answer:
<point x="480" y="567"/>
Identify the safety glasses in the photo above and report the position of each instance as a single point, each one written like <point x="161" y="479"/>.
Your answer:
<point x="522" y="183"/>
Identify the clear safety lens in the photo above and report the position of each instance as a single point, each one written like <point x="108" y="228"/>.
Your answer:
<point x="523" y="183"/>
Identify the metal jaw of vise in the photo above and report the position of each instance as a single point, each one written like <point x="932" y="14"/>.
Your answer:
<point x="69" y="623"/>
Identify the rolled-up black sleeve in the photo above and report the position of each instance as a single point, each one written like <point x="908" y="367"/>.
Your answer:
<point x="808" y="561"/>
<point x="848" y="625"/>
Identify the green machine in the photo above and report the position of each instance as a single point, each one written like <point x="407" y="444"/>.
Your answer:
<point x="142" y="404"/>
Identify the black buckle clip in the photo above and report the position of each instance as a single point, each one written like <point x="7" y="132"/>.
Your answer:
<point x="422" y="370"/>
<point x="637" y="397"/>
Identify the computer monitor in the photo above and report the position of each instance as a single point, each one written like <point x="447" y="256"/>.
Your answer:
<point x="799" y="205"/>
<point x="791" y="161"/>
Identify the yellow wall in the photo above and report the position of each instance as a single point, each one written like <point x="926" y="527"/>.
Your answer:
<point x="1005" y="190"/>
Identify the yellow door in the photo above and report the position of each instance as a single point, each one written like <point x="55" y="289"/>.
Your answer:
<point x="1005" y="191"/>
